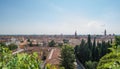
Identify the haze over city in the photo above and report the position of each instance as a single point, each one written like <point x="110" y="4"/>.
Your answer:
<point x="59" y="16"/>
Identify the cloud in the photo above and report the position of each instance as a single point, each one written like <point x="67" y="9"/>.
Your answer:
<point x="69" y="22"/>
<point x="95" y="27"/>
<point x="66" y="26"/>
<point x="95" y="24"/>
<point x="57" y="18"/>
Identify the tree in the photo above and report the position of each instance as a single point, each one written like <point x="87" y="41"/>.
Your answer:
<point x="30" y="44"/>
<point x="18" y="61"/>
<point x="110" y="61"/>
<point x="111" y="41"/>
<point x="88" y="51"/>
<point x="49" y="66"/>
<point x="21" y="61"/>
<point x="3" y="44"/>
<point x="12" y="46"/>
<point x="102" y="48"/>
<point x="91" y="65"/>
<point x="94" y="49"/>
<point x="89" y="44"/>
<point x="83" y="52"/>
<point x="28" y="40"/>
<point x="65" y="41"/>
<point x="67" y="57"/>
<point x="44" y="56"/>
<point x="52" y="43"/>
<point x="117" y="41"/>
<point x="96" y="54"/>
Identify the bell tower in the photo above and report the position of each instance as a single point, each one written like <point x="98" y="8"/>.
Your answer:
<point x="75" y="34"/>
<point x="105" y="32"/>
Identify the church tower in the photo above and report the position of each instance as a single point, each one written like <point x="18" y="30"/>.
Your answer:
<point x="75" y="34"/>
<point x="105" y="33"/>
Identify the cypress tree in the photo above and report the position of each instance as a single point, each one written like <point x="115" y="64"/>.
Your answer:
<point x="93" y="49"/>
<point x="96" y="54"/>
<point x="89" y="45"/>
<point x="89" y="42"/>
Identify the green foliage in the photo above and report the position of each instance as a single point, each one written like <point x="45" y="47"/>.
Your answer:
<point x="21" y="61"/>
<point x="44" y="56"/>
<point x="5" y="56"/>
<point x="52" y="43"/>
<point x="88" y="51"/>
<point x="28" y="40"/>
<point x="49" y="66"/>
<point x="94" y="49"/>
<point x="89" y="43"/>
<point x="91" y="65"/>
<point x="12" y="46"/>
<point x="18" y="61"/>
<point x="65" y="41"/>
<point x="82" y="52"/>
<point x="110" y="61"/>
<point x="89" y="47"/>
<point x="117" y="40"/>
<point x="60" y="44"/>
<point x="67" y="57"/>
<point x="24" y="61"/>
<point x="30" y="44"/>
<point x="2" y="44"/>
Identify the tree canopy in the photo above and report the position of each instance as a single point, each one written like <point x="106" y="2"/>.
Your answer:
<point x="89" y="53"/>
<point x="112" y="59"/>
<point x="52" y="43"/>
<point x="18" y="61"/>
<point x="67" y="57"/>
<point x="12" y="46"/>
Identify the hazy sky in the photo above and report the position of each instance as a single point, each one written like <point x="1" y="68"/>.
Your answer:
<point x="59" y="16"/>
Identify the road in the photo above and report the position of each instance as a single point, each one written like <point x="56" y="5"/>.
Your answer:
<point x="79" y="65"/>
<point x="18" y="51"/>
<point x="49" y="57"/>
<point x="51" y="53"/>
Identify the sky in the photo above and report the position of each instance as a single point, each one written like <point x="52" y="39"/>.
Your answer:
<point x="59" y="16"/>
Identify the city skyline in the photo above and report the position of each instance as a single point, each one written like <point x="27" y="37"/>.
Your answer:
<point x="59" y="17"/>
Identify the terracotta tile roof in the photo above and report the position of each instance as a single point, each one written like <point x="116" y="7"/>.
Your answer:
<point x="55" y="57"/>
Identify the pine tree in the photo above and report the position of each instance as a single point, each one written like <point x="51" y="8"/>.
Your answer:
<point x="67" y="57"/>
